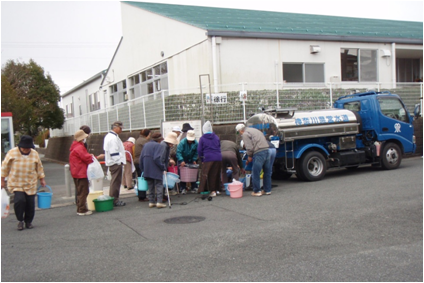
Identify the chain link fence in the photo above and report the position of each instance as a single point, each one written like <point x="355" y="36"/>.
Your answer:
<point x="149" y="111"/>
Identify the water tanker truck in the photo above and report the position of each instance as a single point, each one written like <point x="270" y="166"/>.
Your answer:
<point x="363" y="128"/>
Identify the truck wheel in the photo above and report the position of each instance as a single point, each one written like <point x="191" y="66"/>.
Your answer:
<point x="312" y="166"/>
<point x="391" y="156"/>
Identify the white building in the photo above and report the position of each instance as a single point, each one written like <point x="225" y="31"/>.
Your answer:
<point x="169" y="49"/>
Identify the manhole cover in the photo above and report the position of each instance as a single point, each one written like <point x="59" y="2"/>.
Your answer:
<point x="184" y="220"/>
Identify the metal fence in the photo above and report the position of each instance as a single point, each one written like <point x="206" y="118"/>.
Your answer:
<point x="179" y="105"/>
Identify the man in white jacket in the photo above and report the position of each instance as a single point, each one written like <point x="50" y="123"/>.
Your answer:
<point x="115" y="159"/>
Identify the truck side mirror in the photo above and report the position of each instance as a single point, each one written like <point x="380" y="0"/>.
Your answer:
<point x="417" y="110"/>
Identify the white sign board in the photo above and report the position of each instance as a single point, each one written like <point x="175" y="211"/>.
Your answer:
<point x="217" y="98"/>
<point x="243" y="95"/>
<point x="166" y="127"/>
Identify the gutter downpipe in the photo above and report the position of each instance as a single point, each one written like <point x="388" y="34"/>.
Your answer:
<point x="215" y="71"/>
<point x="393" y="65"/>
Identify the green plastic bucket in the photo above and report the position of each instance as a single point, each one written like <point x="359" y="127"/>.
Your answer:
<point x="103" y="205"/>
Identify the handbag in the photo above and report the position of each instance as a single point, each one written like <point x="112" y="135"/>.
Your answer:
<point x="142" y="183"/>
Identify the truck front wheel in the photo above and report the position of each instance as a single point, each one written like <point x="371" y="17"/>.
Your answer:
<point x="391" y="156"/>
<point x="312" y="166"/>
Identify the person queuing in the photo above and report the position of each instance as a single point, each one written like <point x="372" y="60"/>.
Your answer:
<point x="173" y="152"/>
<point x="184" y="130"/>
<point x="209" y="151"/>
<point x="114" y="159"/>
<point x="79" y="159"/>
<point x="23" y="168"/>
<point x="152" y="167"/>
<point x="129" y="168"/>
<point x="144" y="137"/>
<point x="187" y="154"/>
<point x="86" y="130"/>
<point x="257" y="152"/>
<point x="230" y="156"/>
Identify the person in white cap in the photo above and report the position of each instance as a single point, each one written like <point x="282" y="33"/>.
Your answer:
<point x="187" y="154"/>
<point x="129" y="168"/>
<point x="257" y="152"/>
<point x="173" y="154"/>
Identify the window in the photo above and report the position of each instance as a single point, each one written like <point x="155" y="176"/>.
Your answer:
<point x="408" y="70"/>
<point x="303" y="72"/>
<point x="354" y="106"/>
<point x="124" y="84"/>
<point x="393" y="108"/>
<point x="358" y="65"/>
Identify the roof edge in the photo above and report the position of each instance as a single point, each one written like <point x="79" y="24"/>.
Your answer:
<point x="96" y="76"/>
<point x="110" y="64"/>
<point x="294" y="36"/>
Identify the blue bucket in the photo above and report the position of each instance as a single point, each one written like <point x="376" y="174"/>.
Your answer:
<point x="44" y="199"/>
<point x="227" y="192"/>
<point x="172" y="179"/>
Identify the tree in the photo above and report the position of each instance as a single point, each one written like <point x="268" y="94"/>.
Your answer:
<point x="31" y="96"/>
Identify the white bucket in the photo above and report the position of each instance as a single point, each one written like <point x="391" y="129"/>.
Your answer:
<point x="96" y="185"/>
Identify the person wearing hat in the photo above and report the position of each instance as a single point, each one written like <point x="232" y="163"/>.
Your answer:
<point x="184" y="130"/>
<point x="79" y="159"/>
<point x="152" y="168"/>
<point x="173" y="152"/>
<point x="129" y="168"/>
<point x="257" y="152"/>
<point x="23" y="168"/>
<point x="187" y="154"/>
<point x="115" y="159"/>
<point x="209" y="151"/>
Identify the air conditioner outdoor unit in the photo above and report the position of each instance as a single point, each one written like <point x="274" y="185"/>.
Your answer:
<point x="315" y="49"/>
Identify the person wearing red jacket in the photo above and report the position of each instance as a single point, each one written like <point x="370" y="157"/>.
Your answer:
<point x="79" y="159"/>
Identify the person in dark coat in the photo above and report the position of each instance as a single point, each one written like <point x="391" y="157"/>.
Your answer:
<point x="209" y="151"/>
<point x="152" y="169"/>
<point x="230" y="156"/>
<point x="144" y="137"/>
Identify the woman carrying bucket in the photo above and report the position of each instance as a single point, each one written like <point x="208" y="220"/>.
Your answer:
<point x="23" y="168"/>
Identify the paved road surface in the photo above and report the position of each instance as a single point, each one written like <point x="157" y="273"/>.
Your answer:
<point x="363" y="225"/>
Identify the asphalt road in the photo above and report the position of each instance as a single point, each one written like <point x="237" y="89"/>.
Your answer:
<point x="362" y="225"/>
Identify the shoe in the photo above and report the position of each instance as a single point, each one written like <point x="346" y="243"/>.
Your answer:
<point x="28" y="225"/>
<point x="20" y="225"/>
<point x="218" y="193"/>
<point x="213" y="194"/>
<point x="184" y="191"/>
<point x="266" y="193"/>
<point x="89" y="212"/>
<point x="172" y="193"/>
<point x="258" y="194"/>
<point x="160" y="205"/>
<point x="120" y="203"/>
<point x="151" y="205"/>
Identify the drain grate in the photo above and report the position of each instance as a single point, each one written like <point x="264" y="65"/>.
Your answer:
<point x="184" y="220"/>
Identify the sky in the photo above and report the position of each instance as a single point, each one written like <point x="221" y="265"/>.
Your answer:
<point x="75" y="40"/>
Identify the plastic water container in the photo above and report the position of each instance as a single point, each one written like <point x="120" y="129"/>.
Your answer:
<point x="96" y="185"/>
<point x="92" y="196"/>
<point x="236" y="189"/>
<point x="227" y="192"/>
<point x="44" y="199"/>
<point x="172" y="179"/>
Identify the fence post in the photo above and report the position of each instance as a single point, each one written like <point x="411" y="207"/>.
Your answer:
<point x="67" y="180"/>
<point x="163" y="105"/>
<point x="331" y="95"/>
<point x="129" y="115"/>
<point x="144" y="114"/>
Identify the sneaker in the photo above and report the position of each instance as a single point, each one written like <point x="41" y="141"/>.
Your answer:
<point x="258" y="194"/>
<point x="194" y="191"/>
<point x="267" y="193"/>
<point x="160" y="205"/>
<point x="120" y="203"/>
<point x="184" y="191"/>
<point x="151" y="205"/>
<point x="28" y="225"/>
<point x="213" y="194"/>
<point x="20" y="225"/>
<point x="172" y="193"/>
<point x="89" y="212"/>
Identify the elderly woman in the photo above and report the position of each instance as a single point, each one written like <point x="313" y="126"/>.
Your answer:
<point x="144" y="138"/>
<point x="79" y="159"/>
<point x="209" y="151"/>
<point x="23" y="168"/>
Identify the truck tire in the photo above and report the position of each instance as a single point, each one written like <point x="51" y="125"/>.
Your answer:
<point x="391" y="156"/>
<point x="312" y="166"/>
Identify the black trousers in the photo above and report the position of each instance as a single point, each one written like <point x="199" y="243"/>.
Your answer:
<point x="141" y="194"/>
<point x="24" y="206"/>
